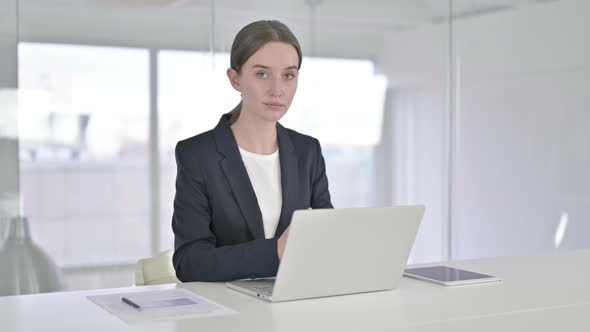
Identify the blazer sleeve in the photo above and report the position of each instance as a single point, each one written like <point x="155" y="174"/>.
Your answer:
<point x="320" y="194"/>
<point x="196" y="257"/>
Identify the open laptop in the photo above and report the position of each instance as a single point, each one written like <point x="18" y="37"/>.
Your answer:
<point x="340" y="251"/>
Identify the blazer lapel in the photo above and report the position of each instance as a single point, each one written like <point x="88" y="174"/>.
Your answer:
<point x="289" y="178"/>
<point x="237" y="176"/>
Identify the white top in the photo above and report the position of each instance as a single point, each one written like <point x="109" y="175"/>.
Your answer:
<point x="265" y="175"/>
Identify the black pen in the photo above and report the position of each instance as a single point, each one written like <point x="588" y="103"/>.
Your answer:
<point x="131" y="303"/>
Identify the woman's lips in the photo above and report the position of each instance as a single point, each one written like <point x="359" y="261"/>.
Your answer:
<point x="275" y="106"/>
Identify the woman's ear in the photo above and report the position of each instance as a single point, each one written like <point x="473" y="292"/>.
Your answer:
<point x="234" y="79"/>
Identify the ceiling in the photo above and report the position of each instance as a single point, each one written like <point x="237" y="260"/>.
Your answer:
<point x="346" y="28"/>
<point x="395" y="12"/>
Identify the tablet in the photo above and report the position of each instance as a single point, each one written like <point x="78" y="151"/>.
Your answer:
<point x="448" y="276"/>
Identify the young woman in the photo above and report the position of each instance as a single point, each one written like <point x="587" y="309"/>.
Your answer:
<point x="238" y="184"/>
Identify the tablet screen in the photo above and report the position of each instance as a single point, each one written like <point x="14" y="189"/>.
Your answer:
<point x="445" y="273"/>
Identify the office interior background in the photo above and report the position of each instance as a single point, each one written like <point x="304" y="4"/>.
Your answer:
<point x="479" y="109"/>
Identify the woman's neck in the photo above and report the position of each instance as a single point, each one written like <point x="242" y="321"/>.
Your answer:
<point x="255" y="135"/>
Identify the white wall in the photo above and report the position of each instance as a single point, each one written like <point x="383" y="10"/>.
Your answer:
<point x="522" y="138"/>
<point x="523" y="151"/>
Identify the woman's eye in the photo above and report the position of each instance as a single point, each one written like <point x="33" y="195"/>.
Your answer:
<point x="290" y="76"/>
<point x="261" y="75"/>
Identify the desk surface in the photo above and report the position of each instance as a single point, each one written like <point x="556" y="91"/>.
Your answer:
<point x="538" y="293"/>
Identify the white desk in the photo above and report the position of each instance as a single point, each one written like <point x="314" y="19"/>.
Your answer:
<point x="539" y="293"/>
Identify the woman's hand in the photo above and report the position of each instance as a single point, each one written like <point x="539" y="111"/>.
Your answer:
<point x="282" y="242"/>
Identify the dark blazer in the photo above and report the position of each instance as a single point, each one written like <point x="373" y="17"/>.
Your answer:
<point x="217" y="223"/>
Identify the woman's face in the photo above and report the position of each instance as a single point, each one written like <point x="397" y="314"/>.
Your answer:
<point x="268" y="81"/>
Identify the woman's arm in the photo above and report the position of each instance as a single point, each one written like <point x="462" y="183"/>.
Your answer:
<point x="320" y="194"/>
<point x="196" y="257"/>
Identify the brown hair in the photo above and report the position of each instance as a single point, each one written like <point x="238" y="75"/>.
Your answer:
<point x="250" y="39"/>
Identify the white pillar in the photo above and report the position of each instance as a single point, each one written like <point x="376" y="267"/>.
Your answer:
<point x="9" y="174"/>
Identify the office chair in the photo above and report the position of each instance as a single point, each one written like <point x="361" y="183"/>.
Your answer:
<point x="156" y="270"/>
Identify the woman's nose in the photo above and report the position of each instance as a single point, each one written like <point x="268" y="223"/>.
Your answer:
<point x="276" y="87"/>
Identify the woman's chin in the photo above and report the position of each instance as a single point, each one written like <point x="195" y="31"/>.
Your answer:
<point x="273" y="115"/>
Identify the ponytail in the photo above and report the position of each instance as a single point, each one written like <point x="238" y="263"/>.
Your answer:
<point x="235" y="113"/>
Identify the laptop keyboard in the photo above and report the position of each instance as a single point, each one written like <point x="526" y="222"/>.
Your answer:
<point x="262" y="286"/>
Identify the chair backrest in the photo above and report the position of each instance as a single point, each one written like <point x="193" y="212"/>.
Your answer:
<point x="156" y="270"/>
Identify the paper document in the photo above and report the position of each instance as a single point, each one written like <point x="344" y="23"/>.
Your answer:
<point x="151" y="306"/>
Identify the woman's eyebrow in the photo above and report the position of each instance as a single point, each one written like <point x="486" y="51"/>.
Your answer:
<point x="267" y="67"/>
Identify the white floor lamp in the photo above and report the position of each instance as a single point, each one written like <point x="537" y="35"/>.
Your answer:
<point x="24" y="267"/>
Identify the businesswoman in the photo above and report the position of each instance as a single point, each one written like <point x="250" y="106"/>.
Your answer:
<point x="238" y="184"/>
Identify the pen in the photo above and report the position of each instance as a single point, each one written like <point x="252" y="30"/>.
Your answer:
<point x="131" y="303"/>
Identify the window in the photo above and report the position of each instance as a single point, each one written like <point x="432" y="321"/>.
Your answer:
<point x="83" y="129"/>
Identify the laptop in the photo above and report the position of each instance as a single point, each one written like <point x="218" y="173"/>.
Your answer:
<point x="340" y="251"/>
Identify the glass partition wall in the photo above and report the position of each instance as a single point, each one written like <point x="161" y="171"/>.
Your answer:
<point x="414" y="102"/>
<point x="521" y="130"/>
